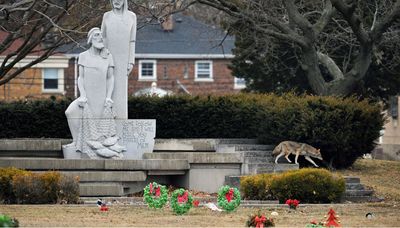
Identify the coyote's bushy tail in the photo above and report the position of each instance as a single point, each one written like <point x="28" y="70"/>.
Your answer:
<point x="277" y="149"/>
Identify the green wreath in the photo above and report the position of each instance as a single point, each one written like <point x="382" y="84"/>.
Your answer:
<point x="155" y="195"/>
<point x="228" y="198"/>
<point x="181" y="201"/>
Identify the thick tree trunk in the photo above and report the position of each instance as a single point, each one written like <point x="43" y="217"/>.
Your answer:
<point x="355" y="75"/>
<point x="310" y="65"/>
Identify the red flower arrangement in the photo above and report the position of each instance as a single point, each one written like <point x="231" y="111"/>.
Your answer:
<point x="292" y="203"/>
<point x="259" y="221"/>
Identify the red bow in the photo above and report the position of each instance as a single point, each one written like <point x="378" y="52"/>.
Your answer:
<point x="183" y="198"/>
<point x="260" y="221"/>
<point x="229" y="195"/>
<point x="158" y="193"/>
<point x="151" y="187"/>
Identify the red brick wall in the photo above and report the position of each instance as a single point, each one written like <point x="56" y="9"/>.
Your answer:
<point x="27" y="85"/>
<point x="169" y="70"/>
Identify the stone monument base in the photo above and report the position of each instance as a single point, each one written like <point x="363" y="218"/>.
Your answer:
<point x="136" y="135"/>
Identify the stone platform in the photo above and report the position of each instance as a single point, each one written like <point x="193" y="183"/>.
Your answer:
<point x="198" y="164"/>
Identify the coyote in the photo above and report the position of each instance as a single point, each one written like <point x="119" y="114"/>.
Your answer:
<point x="289" y="147"/>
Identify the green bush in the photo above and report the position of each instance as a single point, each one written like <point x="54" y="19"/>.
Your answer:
<point x="308" y="186"/>
<point x="343" y="128"/>
<point x="6" y="175"/>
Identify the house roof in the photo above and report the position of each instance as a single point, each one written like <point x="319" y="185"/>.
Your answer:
<point x="189" y="37"/>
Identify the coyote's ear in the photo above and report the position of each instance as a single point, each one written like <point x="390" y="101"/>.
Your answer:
<point x="319" y="150"/>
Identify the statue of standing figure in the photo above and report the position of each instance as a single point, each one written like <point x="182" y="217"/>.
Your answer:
<point x="91" y="118"/>
<point x="119" y="33"/>
<point x="103" y="86"/>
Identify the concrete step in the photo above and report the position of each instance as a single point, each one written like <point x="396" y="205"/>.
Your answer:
<point x="185" y="144"/>
<point x="198" y="157"/>
<point x="354" y="186"/>
<point x="101" y="189"/>
<point x="252" y="168"/>
<point x="351" y="179"/>
<point x="32" y="153"/>
<point x="107" y="176"/>
<point x="361" y="199"/>
<point x="98" y="165"/>
<point x="253" y="147"/>
<point x="257" y="153"/>
<point x="364" y="192"/>
<point x="258" y="159"/>
<point x="238" y="141"/>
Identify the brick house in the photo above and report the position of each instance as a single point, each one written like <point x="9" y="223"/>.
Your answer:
<point x="182" y="55"/>
<point x="40" y="81"/>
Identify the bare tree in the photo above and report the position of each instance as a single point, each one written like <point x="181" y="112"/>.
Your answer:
<point x="38" y="27"/>
<point x="342" y="36"/>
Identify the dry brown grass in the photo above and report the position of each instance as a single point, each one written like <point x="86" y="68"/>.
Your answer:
<point x="382" y="176"/>
<point x="79" y="216"/>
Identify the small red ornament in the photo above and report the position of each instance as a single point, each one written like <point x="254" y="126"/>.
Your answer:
<point x="196" y="203"/>
<point x="260" y="221"/>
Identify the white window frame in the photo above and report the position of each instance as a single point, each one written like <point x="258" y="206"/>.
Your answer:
<point x="238" y="86"/>
<point x="209" y="79"/>
<point x="146" y="78"/>
<point x="60" y="89"/>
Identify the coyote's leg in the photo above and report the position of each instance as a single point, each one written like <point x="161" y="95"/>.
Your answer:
<point x="287" y="158"/>
<point x="297" y="156"/>
<point x="277" y="157"/>
<point x="310" y="160"/>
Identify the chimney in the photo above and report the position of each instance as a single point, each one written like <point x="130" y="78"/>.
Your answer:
<point x="168" y="24"/>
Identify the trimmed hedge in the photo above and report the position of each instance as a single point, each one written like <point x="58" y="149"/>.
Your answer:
<point x="343" y="128"/>
<point x="307" y="185"/>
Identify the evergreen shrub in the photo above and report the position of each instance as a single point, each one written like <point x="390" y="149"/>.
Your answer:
<point x="343" y="128"/>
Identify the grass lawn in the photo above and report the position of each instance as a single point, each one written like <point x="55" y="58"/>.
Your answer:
<point x="78" y="216"/>
<point x="383" y="176"/>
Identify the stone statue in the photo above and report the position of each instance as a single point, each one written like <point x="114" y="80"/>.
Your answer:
<point x="119" y="33"/>
<point x="91" y="118"/>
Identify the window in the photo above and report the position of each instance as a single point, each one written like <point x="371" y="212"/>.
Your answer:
<point x="147" y="70"/>
<point x="203" y="71"/>
<point x="240" y="83"/>
<point x="53" y="80"/>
